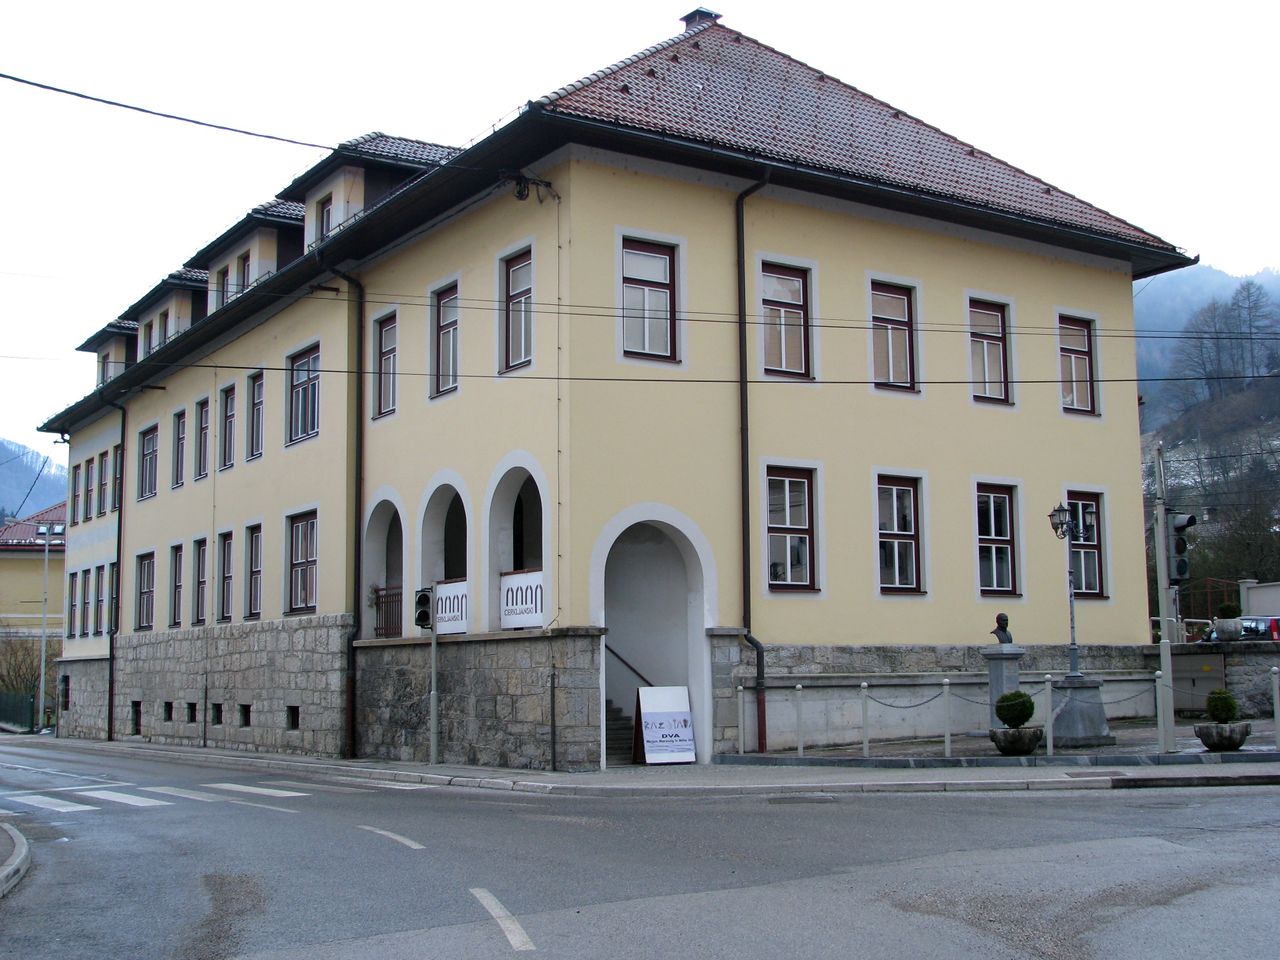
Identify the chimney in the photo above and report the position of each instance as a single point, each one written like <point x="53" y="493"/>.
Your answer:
<point x="698" y="17"/>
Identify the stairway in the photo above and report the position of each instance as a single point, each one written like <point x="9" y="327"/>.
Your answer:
<point x="619" y="730"/>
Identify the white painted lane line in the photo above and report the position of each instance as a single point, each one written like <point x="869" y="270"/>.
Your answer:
<point x="260" y="791"/>
<point x="76" y="789"/>
<point x="516" y="936"/>
<point x="261" y="806"/>
<point x="125" y="798"/>
<point x="326" y="787"/>
<point x="411" y="844"/>
<point x="52" y="803"/>
<point x="185" y="794"/>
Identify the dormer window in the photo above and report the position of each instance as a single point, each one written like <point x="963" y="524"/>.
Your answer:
<point x="104" y="367"/>
<point x="242" y="272"/>
<point x="220" y="287"/>
<point x="162" y="327"/>
<point x="324" y="217"/>
<point x="146" y="339"/>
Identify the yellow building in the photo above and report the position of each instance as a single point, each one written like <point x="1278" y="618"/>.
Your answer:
<point x="31" y="602"/>
<point x="706" y="353"/>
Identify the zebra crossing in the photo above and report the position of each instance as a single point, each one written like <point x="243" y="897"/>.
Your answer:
<point x="81" y="800"/>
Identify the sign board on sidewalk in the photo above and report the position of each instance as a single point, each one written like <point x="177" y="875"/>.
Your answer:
<point x="664" y="725"/>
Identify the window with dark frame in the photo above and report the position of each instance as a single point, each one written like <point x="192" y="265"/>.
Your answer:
<point x="85" y="599"/>
<point x="385" y="399"/>
<point x="148" y="462"/>
<point x="893" y="336"/>
<point x="102" y="483"/>
<point x="785" y="313"/>
<point x="179" y="448"/>
<point x="201" y="466"/>
<point x="146" y="591"/>
<point x="64" y="693"/>
<point x="243" y="272"/>
<point x="1075" y="347"/>
<point x="175" y="585"/>
<point x="113" y="584"/>
<point x="517" y="317"/>
<point x="74" y="513"/>
<point x="989" y="351"/>
<point x="253" y="568"/>
<point x="898" y="521"/>
<point x="99" y="599"/>
<point x="200" y="571"/>
<point x="89" y="486"/>
<point x="997" y="547"/>
<point x="221" y="288"/>
<point x="147" y="339"/>
<point x="162" y="328"/>
<point x="304" y="394"/>
<point x="117" y="475"/>
<point x="71" y="605"/>
<point x="324" y="217"/>
<point x="253" y="434"/>
<point x="225" y="570"/>
<point x="649" y="300"/>
<point x="302" y="563"/>
<point x="1086" y="544"/>
<point x="445" y="314"/>
<point x="791" y="529"/>
<point x="227" y="438"/>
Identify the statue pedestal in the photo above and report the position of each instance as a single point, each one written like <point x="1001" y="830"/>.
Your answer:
<point x="1079" y="718"/>
<point x="1002" y="673"/>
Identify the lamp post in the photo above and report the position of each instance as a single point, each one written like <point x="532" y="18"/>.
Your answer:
<point x="1067" y="527"/>
<point x="46" y="532"/>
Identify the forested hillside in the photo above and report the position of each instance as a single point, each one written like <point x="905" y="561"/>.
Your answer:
<point x="28" y="481"/>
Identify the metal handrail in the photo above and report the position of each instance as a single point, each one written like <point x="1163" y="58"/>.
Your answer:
<point x="623" y="661"/>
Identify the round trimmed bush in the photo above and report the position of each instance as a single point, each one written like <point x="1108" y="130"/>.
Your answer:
<point x="1221" y="706"/>
<point x="1015" y="708"/>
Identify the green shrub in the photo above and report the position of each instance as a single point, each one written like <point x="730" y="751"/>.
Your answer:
<point x="1228" y="611"/>
<point x="1221" y="706"/>
<point x="1015" y="708"/>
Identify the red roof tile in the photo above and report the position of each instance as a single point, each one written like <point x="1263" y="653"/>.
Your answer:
<point x="715" y="85"/>
<point x="22" y="534"/>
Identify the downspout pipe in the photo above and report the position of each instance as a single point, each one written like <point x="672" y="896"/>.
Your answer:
<point x="744" y="457"/>
<point x="113" y="616"/>
<point x="357" y="510"/>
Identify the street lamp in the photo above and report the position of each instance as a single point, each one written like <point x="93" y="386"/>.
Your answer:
<point x="45" y="530"/>
<point x="1067" y="527"/>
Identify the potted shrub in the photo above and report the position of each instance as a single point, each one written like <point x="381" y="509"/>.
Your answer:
<point x="1225" y="731"/>
<point x="1228" y="626"/>
<point x="1014" y="739"/>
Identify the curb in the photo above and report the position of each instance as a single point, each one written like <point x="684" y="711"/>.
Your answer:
<point x="16" y="866"/>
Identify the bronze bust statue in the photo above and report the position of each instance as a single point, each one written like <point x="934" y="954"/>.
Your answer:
<point x="1001" y="632"/>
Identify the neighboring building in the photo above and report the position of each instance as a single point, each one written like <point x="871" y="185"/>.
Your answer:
<point x="23" y="607"/>
<point x="707" y="344"/>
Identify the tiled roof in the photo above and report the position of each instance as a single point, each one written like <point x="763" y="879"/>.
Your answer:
<point x="715" y="85"/>
<point x="381" y="146"/>
<point x="285" y="209"/>
<point x="189" y="275"/>
<point x="22" y="534"/>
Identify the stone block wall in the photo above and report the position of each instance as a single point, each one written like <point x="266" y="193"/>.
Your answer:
<point x="269" y="666"/>
<point x="494" y="699"/>
<point x="87" y="715"/>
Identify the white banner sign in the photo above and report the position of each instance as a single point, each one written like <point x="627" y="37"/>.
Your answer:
<point x="452" y="614"/>
<point x="666" y="725"/>
<point x="522" y="599"/>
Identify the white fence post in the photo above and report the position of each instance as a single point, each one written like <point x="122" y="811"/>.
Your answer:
<point x="866" y="737"/>
<point x="1160" y="718"/>
<point x="742" y="724"/>
<point x="1048" y="714"/>
<point x="1275" y="702"/>
<point x="946" y="717"/>
<point x="799" y="720"/>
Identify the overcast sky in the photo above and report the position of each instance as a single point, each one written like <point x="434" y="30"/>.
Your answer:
<point x="1160" y="112"/>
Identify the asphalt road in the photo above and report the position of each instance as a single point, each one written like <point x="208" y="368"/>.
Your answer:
<point x="134" y="858"/>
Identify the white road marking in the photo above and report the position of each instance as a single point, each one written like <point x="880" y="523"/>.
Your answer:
<point x="260" y="791"/>
<point x="261" y="806"/>
<point x="516" y="936"/>
<point x="52" y="803"/>
<point x="125" y="798"/>
<point x="411" y="844"/>
<point x="185" y="794"/>
<point x="391" y="785"/>
<point x="318" y="786"/>
<point x="56" y="773"/>
<point x="76" y="789"/>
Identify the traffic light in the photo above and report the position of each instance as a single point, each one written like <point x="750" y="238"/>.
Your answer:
<point x="422" y="607"/>
<point x="1179" y="565"/>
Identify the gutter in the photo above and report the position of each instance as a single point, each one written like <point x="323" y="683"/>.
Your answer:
<point x="744" y="457"/>
<point x="113" y="617"/>
<point x="357" y="509"/>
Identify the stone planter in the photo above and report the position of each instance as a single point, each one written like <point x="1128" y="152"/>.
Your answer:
<point x="1228" y="628"/>
<point x="1220" y="737"/>
<point x="1016" y="741"/>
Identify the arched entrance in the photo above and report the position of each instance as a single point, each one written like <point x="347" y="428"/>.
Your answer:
<point x="384" y="571"/>
<point x="654" y="610"/>
<point x="518" y="589"/>
<point x="444" y="559"/>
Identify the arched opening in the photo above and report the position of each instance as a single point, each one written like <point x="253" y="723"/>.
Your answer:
<point x="517" y="584"/>
<point x="384" y="572"/>
<point x="653" y="609"/>
<point x="444" y="559"/>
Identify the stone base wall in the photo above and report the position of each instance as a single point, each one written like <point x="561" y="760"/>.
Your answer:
<point x="267" y="666"/>
<point x="494" y="699"/>
<point x="86" y="716"/>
